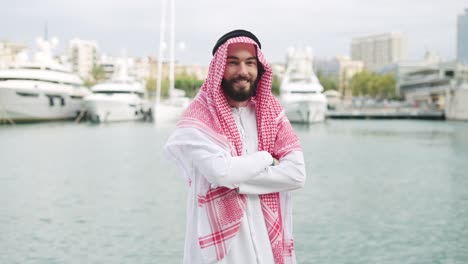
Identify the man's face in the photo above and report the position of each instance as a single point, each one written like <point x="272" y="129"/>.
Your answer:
<point x="240" y="74"/>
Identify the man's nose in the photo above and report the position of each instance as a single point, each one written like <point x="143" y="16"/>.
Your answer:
<point x="243" y="69"/>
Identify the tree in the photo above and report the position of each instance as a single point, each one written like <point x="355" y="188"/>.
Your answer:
<point x="189" y="83"/>
<point x="151" y="86"/>
<point x="97" y="75"/>
<point x="328" y="81"/>
<point x="374" y="85"/>
<point x="388" y="84"/>
<point x="275" y="85"/>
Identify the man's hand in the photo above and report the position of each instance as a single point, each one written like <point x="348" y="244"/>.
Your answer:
<point x="275" y="162"/>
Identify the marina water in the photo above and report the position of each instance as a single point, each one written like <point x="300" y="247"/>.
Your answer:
<point x="376" y="192"/>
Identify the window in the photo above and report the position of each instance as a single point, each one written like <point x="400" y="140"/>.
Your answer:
<point x="25" y="94"/>
<point x="52" y="98"/>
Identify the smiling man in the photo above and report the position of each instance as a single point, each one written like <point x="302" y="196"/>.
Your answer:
<point x="241" y="158"/>
<point x="240" y="74"/>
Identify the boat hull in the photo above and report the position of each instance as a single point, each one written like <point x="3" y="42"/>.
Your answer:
<point x="114" y="108"/>
<point x="26" y="104"/>
<point x="306" y="109"/>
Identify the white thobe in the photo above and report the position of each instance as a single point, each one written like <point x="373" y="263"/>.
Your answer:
<point x="251" y="173"/>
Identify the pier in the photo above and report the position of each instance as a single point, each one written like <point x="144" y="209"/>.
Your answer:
<point x="406" y="113"/>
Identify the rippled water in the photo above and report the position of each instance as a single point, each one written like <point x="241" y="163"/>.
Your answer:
<point x="377" y="192"/>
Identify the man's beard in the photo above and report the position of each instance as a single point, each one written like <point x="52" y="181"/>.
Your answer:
<point x="242" y="94"/>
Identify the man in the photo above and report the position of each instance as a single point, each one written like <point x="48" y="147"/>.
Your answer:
<point x="241" y="158"/>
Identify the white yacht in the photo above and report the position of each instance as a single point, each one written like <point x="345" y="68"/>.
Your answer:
<point x="40" y="90"/>
<point x="122" y="98"/>
<point x="301" y="92"/>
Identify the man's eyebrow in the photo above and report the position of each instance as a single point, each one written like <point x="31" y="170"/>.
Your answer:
<point x="236" y="58"/>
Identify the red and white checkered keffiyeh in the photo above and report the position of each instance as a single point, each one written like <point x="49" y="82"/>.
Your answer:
<point x="211" y="114"/>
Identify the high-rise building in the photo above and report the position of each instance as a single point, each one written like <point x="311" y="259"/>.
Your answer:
<point x="377" y="51"/>
<point x="462" y="38"/>
<point x="83" y="56"/>
<point x="8" y="52"/>
<point x="107" y="64"/>
<point x="141" y="67"/>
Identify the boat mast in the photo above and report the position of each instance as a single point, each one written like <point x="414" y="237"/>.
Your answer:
<point x="171" y="49"/>
<point x="46" y="31"/>
<point x="161" y="49"/>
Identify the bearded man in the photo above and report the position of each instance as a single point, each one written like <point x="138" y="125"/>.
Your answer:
<point x="241" y="158"/>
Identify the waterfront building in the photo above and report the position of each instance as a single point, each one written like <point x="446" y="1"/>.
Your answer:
<point x="198" y="71"/>
<point x="83" y="56"/>
<point x="326" y="67"/>
<point x="462" y="38"/>
<point x="107" y="63"/>
<point x="401" y="69"/>
<point x="457" y="107"/>
<point x="8" y="52"/>
<point x="428" y="86"/>
<point x="342" y="69"/>
<point x="139" y="68"/>
<point x="377" y="51"/>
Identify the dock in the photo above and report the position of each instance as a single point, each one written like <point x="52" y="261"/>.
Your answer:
<point x="391" y="113"/>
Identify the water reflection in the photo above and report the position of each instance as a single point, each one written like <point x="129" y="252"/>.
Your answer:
<point x="376" y="192"/>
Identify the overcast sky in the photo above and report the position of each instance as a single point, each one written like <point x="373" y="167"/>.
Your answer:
<point x="326" y="25"/>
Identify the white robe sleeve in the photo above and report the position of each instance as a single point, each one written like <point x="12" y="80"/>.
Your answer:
<point x="288" y="175"/>
<point x="192" y="149"/>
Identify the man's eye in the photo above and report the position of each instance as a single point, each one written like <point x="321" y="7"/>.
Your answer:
<point x="232" y="62"/>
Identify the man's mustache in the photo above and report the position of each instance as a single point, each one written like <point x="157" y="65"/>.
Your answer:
<point x="241" y="78"/>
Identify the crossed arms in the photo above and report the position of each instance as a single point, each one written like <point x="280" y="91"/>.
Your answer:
<point x="251" y="174"/>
